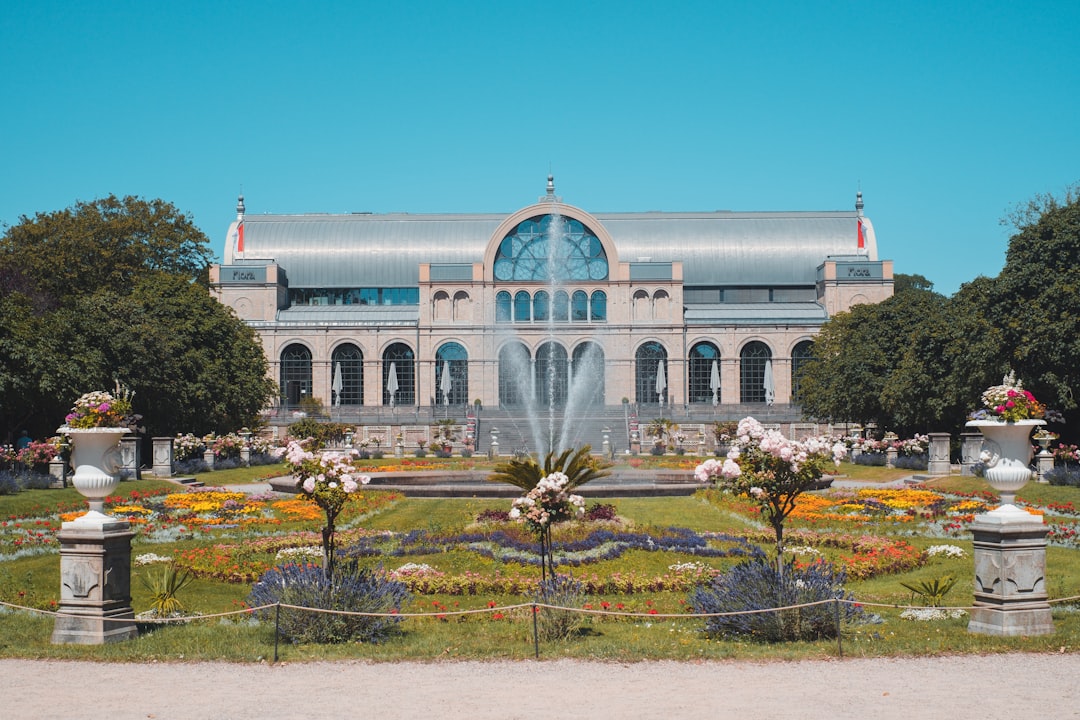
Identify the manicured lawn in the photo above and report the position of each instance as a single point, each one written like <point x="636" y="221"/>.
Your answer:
<point x="880" y="536"/>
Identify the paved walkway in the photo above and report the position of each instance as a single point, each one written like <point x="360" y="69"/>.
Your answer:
<point x="992" y="687"/>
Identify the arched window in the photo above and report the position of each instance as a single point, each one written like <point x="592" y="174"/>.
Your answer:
<point x="560" y="311"/>
<point x="551" y="375"/>
<point x="550" y="247"/>
<point x="502" y="307"/>
<point x="462" y="306"/>
<point x="704" y="373"/>
<point x="801" y="355"/>
<point x="598" y="306"/>
<point x="348" y="375"/>
<point x="755" y="373"/>
<point x="451" y="358"/>
<point x="587" y="375"/>
<point x="441" y="310"/>
<point x="399" y="375"/>
<point x="541" y="306"/>
<point x="522" y="306"/>
<point x="579" y="307"/>
<point x="295" y="374"/>
<point x="515" y="374"/>
<point x="650" y="373"/>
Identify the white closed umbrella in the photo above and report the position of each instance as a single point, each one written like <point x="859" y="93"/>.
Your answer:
<point x="446" y="384"/>
<point x="714" y="383"/>
<point x="661" y="382"/>
<point x="392" y="383"/>
<point x="338" y="385"/>
<point x="770" y="390"/>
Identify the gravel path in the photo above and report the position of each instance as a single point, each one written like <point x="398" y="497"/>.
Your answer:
<point x="976" y="687"/>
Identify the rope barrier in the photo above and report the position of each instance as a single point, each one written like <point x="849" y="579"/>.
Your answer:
<point x="442" y="614"/>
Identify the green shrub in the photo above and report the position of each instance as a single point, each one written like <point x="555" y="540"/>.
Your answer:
<point x="352" y="590"/>
<point x="757" y="585"/>
<point x="563" y="591"/>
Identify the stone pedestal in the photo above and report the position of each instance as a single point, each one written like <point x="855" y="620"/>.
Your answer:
<point x="1045" y="463"/>
<point x="208" y="458"/>
<point x="58" y="469"/>
<point x="970" y="448"/>
<point x="938" y="463"/>
<point x="131" y="457"/>
<point x="890" y="457"/>
<point x="1010" y="574"/>
<point x="163" y="456"/>
<point x="95" y="584"/>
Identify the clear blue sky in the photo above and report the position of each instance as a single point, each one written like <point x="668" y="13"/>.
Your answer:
<point x="946" y="114"/>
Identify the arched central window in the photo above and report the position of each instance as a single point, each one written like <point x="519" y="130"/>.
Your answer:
<point x="515" y="374"/>
<point x="801" y="356"/>
<point x="550" y="247"/>
<point x="399" y="375"/>
<point x="552" y="375"/>
<point x="348" y="375"/>
<point x="756" y="381"/>
<point x="650" y="374"/>
<point x="704" y="371"/>
<point x="451" y="375"/>
<point x="295" y="374"/>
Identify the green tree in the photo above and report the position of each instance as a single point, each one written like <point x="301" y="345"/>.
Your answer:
<point x="1036" y="299"/>
<point x="108" y="291"/>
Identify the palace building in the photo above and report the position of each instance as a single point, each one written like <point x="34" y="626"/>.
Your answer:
<point x="550" y="304"/>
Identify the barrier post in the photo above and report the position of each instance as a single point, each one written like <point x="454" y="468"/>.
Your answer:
<point x="536" y="632"/>
<point x="277" y="626"/>
<point x="839" y="635"/>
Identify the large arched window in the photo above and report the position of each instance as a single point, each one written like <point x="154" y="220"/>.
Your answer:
<point x="399" y="375"/>
<point x="522" y="306"/>
<point x="587" y="375"/>
<point x="552" y="375"/>
<point x="550" y="247"/>
<point x="598" y="306"/>
<point x="348" y="375"/>
<point x="755" y="373"/>
<point x="650" y="374"/>
<point x="704" y="373"/>
<point x="515" y="374"/>
<point x="295" y="374"/>
<point x="801" y="355"/>
<point x="451" y="375"/>
<point x="502" y="307"/>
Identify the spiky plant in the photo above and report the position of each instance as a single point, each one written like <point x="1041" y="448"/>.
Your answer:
<point x="580" y="466"/>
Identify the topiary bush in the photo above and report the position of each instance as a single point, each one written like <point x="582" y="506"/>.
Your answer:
<point x="757" y="585"/>
<point x="352" y="590"/>
<point x="563" y="591"/>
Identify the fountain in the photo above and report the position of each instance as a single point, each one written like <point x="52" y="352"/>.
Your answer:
<point x="554" y="415"/>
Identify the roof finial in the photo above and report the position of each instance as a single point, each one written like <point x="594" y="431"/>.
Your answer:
<point x="858" y="203"/>
<point x="240" y="206"/>
<point x="551" y="197"/>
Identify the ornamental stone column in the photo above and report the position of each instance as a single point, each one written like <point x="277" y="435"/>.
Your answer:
<point x="163" y="457"/>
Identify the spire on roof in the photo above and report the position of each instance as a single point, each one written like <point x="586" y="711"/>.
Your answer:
<point x="551" y="196"/>
<point x="240" y="207"/>
<point x="858" y="203"/>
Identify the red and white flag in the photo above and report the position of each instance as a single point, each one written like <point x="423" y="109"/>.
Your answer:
<point x="239" y="235"/>
<point x="862" y="237"/>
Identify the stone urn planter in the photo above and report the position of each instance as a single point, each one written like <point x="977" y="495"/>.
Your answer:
<point x="1007" y="453"/>
<point x="97" y="459"/>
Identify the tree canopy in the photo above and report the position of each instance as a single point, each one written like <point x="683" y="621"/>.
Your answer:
<point x="918" y="361"/>
<point x="114" y="290"/>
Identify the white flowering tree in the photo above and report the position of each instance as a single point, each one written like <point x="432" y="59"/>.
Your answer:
<point x="546" y="504"/>
<point x="772" y="470"/>
<point x="329" y="479"/>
